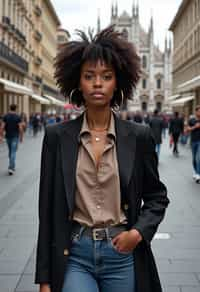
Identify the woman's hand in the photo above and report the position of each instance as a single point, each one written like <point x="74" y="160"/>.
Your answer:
<point x="45" y="288"/>
<point x="127" y="241"/>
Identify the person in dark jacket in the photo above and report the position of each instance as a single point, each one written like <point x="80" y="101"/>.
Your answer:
<point x="176" y="127"/>
<point x="13" y="127"/>
<point x="101" y="199"/>
<point x="156" y="124"/>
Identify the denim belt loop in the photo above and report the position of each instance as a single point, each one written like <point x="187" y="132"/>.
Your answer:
<point x="107" y="234"/>
<point x="81" y="231"/>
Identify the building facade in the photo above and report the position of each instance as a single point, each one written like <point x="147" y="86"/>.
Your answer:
<point x="28" y="46"/>
<point x="156" y="81"/>
<point x="186" y="61"/>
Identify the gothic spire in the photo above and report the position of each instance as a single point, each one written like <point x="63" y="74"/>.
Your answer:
<point x="112" y="10"/>
<point x="133" y="8"/>
<point x="116" y="9"/>
<point x="137" y="9"/>
<point x="98" y="22"/>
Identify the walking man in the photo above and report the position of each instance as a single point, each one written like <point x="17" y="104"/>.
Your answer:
<point x="156" y="124"/>
<point x="13" y="128"/>
<point x="176" y="127"/>
<point x="194" y="129"/>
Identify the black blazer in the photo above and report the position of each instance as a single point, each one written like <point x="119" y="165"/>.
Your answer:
<point x="143" y="198"/>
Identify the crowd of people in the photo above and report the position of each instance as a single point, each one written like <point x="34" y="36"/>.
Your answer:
<point x="180" y="130"/>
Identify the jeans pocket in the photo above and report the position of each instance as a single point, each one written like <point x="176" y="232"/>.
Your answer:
<point x="118" y="252"/>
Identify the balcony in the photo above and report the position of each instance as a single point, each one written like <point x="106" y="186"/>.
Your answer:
<point x="38" y="61"/>
<point x="10" y="56"/>
<point x="37" y="35"/>
<point x="37" y="79"/>
<point x="49" y="90"/>
<point x="38" y="11"/>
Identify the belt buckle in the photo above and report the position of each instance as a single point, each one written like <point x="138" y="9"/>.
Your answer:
<point x="95" y="233"/>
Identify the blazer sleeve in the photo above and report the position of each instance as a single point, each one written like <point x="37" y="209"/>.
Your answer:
<point x="154" y="192"/>
<point x="43" y="260"/>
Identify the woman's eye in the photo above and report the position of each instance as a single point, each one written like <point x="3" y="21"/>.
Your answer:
<point x="88" y="77"/>
<point x="107" y="77"/>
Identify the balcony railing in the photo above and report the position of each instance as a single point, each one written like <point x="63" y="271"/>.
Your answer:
<point x="12" y="57"/>
<point x="49" y="90"/>
<point x="11" y="27"/>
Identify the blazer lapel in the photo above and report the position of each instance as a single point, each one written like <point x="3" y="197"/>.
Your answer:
<point x="126" y="146"/>
<point x="69" y="156"/>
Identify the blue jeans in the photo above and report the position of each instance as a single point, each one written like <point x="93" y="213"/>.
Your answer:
<point x="96" y="266"/>
<point x="12" y="149"/>
<point x="196" y="156"/>
<point x="158" y="146"/>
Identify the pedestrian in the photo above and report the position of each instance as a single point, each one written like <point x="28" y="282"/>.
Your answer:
<point x="35" y="124"/>
<point x="13" y="128"/>
<point x="156" y="124"/>
<point x="194" y="129"/>
<point x="100" y="199"/>
<point x="176" y="128"/>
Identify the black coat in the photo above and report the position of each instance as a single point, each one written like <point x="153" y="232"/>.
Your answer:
<point x="176" y="126"/>
<point x="139" y="181"/>
<point x="157" y="125"/>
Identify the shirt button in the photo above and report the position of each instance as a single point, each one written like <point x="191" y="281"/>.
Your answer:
<point x="98" y="207"/>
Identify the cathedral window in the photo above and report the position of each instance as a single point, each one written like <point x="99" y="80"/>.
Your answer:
<point x="159" y="106"/>
<point x="158" y="83"/>
<point x="144" y="106"/>
<point x="144" y="83"/>
<point x="144" y="62"/>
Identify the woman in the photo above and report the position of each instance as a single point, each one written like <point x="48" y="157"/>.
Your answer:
<point x="94" y="231"/>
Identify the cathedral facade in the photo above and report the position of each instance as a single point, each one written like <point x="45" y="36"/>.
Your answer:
<point x="155" y="84"/>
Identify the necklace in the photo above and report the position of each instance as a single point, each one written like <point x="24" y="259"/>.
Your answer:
<point x="96" y="136"/>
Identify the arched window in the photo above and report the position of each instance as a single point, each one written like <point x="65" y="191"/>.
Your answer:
<point x="125" y="33"/>
<point x="144" y="83"/>
<point x="144" y="61"/>
<point x="158" y="83"/>
<point x="144" y="106"/>
<point x="159" y="106"/>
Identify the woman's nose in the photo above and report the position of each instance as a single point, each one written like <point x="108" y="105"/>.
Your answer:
<point x="97" y="81"/>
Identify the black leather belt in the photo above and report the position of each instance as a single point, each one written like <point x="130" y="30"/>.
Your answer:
<point x="98" y="233"/>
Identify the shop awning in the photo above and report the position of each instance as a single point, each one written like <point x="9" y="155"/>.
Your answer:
<point x="172" y="97"/>
<point x="182" y="101"/>
<point x="15" y="87"/>
<point x="190" y="84"/>
<point x="54" y="100"/>
<point x="41" y="99"/>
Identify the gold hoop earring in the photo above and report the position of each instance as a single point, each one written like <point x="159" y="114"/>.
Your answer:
<point x="71" y="93"/>
<point x="122" y="96"/>
<point x="117" y="107"/>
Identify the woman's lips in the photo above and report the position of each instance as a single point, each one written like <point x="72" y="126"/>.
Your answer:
<point x="97" y="94"/>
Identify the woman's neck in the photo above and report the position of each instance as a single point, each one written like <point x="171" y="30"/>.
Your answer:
<point x="98" y="119"/>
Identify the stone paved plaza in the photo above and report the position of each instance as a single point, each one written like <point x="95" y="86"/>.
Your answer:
<point x="176" y="245"/>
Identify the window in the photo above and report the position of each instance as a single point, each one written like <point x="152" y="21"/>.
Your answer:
<point x="144" y="106"/>
<point x="144" y="83"/>
<point x="159" y="106"/>
<point x="144" y="62"/>
<point x="158" y="83"/>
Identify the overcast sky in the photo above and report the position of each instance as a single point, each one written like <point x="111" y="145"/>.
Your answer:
<point x="83" y="13"/>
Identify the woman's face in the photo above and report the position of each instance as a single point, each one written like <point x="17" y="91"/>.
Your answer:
<point x="97" y="83"/>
